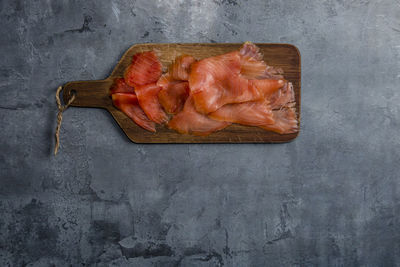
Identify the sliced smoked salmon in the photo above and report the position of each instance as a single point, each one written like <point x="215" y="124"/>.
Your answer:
<point x="255" y="113"/>
<point x="175" y="90"/>
<point x="145" y="68"/>
<point x="282" y="97"/>
<point x="216" y="81"/>
<point x="189" y="121"/>
<point x="207" y="95"/>
<point x="268" y="86"/>
<point x="165" y="80"/>
<point x="253" y="65"/>
<point x="180" y="68"/>
<point x="128" y="103"/>
<point x="120" y="86"/>
<point x="148" y="100"/>
<point x="173" y="97"/>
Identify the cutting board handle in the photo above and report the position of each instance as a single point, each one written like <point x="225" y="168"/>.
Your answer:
<point x="88" y="93"/>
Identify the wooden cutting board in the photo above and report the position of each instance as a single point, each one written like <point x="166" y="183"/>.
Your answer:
<point x="94" y="94"/>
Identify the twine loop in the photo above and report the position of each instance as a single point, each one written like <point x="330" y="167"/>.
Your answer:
<point x="61" y="109"/>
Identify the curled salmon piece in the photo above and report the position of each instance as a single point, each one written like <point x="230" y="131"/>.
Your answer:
<point x="148" y="100"/>
<point x="189" y="121"/>
<point x="120" y="86"/>
<point x="216" y="81"/>
<point x="180" y="68"/>
<point x="145" y="68"/>
<point x="285" y="121"/>
<point x="128" y="104"/>
<point x="175" y="88"/>
<point x="173" y="95"/>
<point x="255" y="113"/>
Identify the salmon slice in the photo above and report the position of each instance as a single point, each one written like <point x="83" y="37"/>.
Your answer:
<point x="120" y="86"/>
<point x="148" y="100"/>
<point x="180" y="68"/>
<point x="189" y="121"/>
<point x="216" y="81"/>
<point x="173" y="97"/>
<point x="253" y="65"/>
<point x="249" y="113"/>
<point x="165" y="80"/>
<point x="283" y="97"/>
<point x="144" y="69"/>
<point x="282" y="121"/>
<point x="175" y="90"/>
<point x="268" y="86"/>
<point x="128" y="104"/>
<point x="285" y="121"/>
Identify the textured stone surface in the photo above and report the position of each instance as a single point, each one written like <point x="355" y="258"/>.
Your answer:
<point x="329" y="198"/>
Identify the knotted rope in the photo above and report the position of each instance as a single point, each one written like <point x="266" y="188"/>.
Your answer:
<point x="61" y="109"/>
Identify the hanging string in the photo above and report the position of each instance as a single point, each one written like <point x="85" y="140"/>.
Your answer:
<point x="61" y="109"/>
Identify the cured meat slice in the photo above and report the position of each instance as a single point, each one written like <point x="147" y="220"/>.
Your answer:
<point x="259" y="114"/>
<point x="232" y="90"/>
<point x="128" y="103"/>
<point x="148" y="100"/>
<point x="189" y="121"/>
<point x="215" y="82"/>
<point x="252" y="64"/>
<point x="249" y="113"/>
<point x="120" y="86"/>
<point x="144" y="69"/>
<point x="268" y="86"/>
<point x="175" y="88"/>
<point x="180" y="68"/>
<point x="173" y="97"/>
<point x="165" y="80"/>
<point x="285" y="121"/>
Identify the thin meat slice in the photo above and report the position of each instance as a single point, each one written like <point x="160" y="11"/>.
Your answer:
<point x="180" y="68"/>
<point x="175" y="88"/>
<point x="120" y="86"/>
<point x="166" y="80"/>
<point x="253" y="65"/>
<point x="232" y="90"/>
<point x="173" y="97"/>
<point x="285" y="121"/>
<point x="148" y="100"/>
<point x="144" y="69"/>
<point x="268" y="86"/>
<point x="282" y="121"/>
<point x="256" y="113"/>
<point x="283" y="97"/>
<point x="216" y="81"/>
<point x="189" y="121"/>
<point x="128" y="104"/>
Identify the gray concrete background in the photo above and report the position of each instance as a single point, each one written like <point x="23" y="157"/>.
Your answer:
<point x="330" y="198"/>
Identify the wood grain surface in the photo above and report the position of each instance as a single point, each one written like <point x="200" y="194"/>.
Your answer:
<point x="95" y="93"/>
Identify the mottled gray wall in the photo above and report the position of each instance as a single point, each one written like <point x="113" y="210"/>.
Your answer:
<point x="331" y="197"/>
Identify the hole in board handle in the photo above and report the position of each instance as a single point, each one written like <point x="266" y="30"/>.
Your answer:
<point x="70" y="93"/>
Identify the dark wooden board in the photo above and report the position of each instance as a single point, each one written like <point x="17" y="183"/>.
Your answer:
<point x="95" y="93"/>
